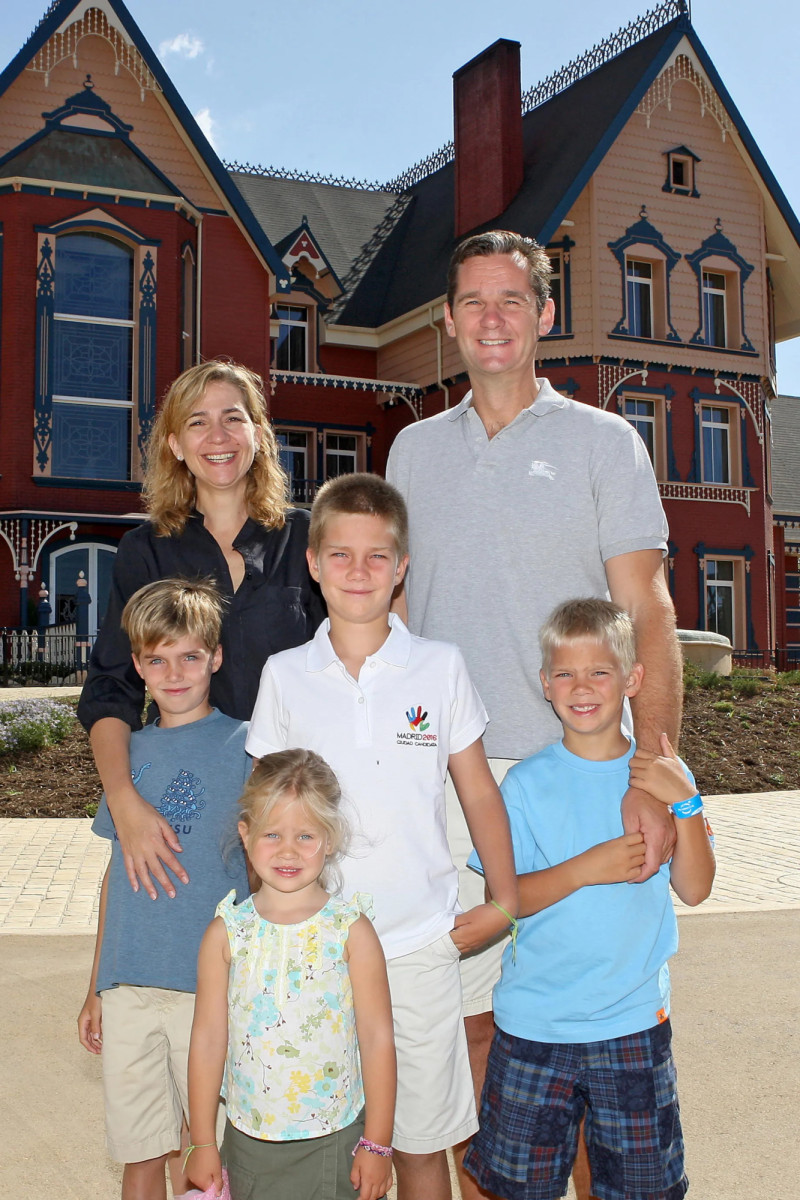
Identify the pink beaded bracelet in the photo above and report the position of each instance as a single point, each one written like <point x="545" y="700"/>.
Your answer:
<point x="373" y="1147"/>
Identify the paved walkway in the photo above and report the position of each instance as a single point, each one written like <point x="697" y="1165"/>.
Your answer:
<point x="737" y="980"/>
<point x="51" y="870"/>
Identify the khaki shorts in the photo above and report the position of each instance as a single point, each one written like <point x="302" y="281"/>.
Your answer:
<point x="145" y="1057"/>
<point x="480" y="970"/>
<point x="435" y="1098"/>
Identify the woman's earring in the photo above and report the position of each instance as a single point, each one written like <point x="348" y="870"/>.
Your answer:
<point x="179" y="456"/>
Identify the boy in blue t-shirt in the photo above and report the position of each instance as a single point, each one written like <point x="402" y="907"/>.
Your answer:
<point x="582" y="1007"/>
<point x="191" y="765"/>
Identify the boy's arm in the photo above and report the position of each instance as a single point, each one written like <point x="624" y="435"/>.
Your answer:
<point x="664" y="777"/>
<point x="90" y="1018"/>
<point x="207" y="1055"/>
<point x="616" y="861"/>
<point x="372" y="1173"/>
<point x="693" y="864"/>
<point x="487" y="820"/>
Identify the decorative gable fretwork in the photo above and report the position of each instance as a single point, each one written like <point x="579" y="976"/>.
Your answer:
<point x="660" y="92"/>
<point x="64" y="44"/>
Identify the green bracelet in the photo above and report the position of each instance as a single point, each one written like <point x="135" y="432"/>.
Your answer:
<point x="192" y="1147"/>
<point x="514" y="924"/>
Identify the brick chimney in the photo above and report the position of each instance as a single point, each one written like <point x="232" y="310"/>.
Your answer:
<point x="488" y="135"/>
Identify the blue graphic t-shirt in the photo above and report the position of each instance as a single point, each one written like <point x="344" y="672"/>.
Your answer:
<point x="193" y="775"/>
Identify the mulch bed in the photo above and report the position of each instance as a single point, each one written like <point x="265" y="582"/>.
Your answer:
<point x="745" y="744"/>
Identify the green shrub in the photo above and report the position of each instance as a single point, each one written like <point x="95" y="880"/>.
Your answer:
<point x="787" y="679"/>
<point x="723" y="706"/>
<point x="31" y="724"/>
<point x="747" y="687"/>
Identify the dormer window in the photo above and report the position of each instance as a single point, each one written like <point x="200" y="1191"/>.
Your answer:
<point x="681" y="173"/>
<point x="291" y="349"/>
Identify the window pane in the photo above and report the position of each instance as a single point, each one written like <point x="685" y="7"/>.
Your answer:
<point x="556" y="292"/>
<point x="292" y="446"/>
<point x="641" y="414"/>
<point x="340" y="454"/>
<point x="716" y="457"/>
<point x="68" y="567"/>
<point x="105" y="567"/>
<point x="94" y="277"/>
<point x="639" y="293"/>
<point x="91" y="441"/>
<point x="720" y="597"/>
<point x="93" y="361"/>
<point x="290" y="352"/>
<point x="714" y="312"/>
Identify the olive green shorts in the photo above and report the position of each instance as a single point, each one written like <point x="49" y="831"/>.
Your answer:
<point x="314" y="1168"/>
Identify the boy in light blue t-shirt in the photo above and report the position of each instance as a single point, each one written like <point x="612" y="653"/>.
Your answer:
<point x="191" y="765"/>
<point x="582" y="1007"/>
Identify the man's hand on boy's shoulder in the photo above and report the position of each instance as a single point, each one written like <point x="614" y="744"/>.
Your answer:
<point x="477" y="926"/>
<point x="662" y="775"/>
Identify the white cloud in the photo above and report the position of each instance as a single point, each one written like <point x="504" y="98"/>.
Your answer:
<point x="183" y="44"/>
<point x="207" y="124"/>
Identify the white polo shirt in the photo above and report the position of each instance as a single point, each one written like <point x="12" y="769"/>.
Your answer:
<point x="388" y="736"/>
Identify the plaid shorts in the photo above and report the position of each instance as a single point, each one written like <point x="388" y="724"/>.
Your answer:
<point x="535" y="1096"/>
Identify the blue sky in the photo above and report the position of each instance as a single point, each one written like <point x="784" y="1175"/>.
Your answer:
<point x="362" y="88"/>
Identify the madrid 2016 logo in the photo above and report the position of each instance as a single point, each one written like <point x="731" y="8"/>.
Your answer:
<point x="416" y="719"/>
<point x="419" y="724"/>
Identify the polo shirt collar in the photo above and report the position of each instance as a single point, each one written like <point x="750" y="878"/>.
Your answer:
<point x="546" y="401"/>
<point x="395" y="651"/>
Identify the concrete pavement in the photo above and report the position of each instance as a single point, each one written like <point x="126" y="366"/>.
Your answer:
<point x="736" y="988"/>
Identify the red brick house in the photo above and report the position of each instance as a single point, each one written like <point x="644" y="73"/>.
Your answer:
<point x="129" y="249"/>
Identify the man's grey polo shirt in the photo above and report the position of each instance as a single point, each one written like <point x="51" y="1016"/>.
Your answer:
<point x="504" y="529"/>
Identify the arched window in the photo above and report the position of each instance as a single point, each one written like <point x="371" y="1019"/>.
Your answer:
<point x="95" y="351"/>
<point x="93" y="331"/>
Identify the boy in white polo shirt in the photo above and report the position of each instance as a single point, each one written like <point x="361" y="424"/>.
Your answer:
<point x="391" y="713"/>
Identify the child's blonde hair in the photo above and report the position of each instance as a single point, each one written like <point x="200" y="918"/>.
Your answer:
<point x="171" y="609"/>
<point x="598" y="620"/>
<point x="303" y="776"/>
<point x="359" y="493"/>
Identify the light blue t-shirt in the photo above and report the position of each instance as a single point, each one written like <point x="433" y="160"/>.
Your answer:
<point x="193" y="775"/>
<point x="593" y="966"/>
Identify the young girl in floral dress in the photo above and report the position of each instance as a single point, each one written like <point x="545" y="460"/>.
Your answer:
<point x="293" y="1002"/>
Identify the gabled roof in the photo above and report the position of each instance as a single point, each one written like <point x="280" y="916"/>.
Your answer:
<point x="69" y="152"/>
<point x="564" y="140"/>
<point x="342" y="218"/>
<point x="785" y="412"/>
<point x="301" y="244"/>
<point x="57" y="15"/>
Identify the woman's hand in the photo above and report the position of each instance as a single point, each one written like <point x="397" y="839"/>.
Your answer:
<point x="147" y="842"/>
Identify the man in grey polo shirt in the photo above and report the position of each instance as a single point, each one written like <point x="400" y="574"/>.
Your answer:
<point x="520" y="498"/>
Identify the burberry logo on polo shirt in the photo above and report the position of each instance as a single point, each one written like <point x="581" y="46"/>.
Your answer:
<point x="546" y="470"/>
<point x="418" y="726"/>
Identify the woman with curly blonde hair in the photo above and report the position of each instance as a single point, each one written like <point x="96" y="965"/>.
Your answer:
<point x="217" y="500"/>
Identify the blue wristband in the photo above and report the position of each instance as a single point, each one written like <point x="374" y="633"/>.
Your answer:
<point x="688" y="808"/>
